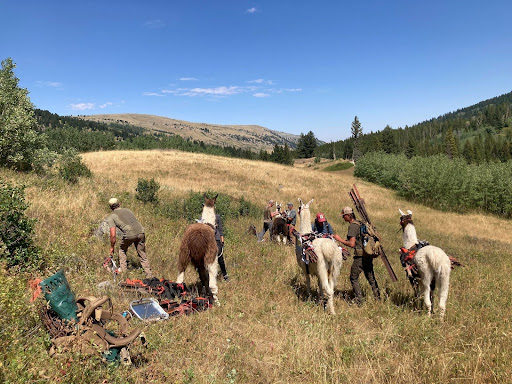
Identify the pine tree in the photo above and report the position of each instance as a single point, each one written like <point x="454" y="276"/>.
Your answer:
<point x="467" y="152"/>
<point x="357" y="131"/>
<point x="388" y="140"/>
<point x="18" y="136"/>
<point x="450" y="144"/>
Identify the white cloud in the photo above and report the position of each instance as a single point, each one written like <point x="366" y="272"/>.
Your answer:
<point x="53" y="84"/>
<point x="261" y="81"/>
<point x="218" y="91"/>
<point x="293" y="89"/>
<point x="82" y="106"/>
<point x="252" y="10"/>
<point x="261" y="94"/>
<point x="152" y="94"/>
<point x="107" y="104"/>
<point x="188" y="79"/>
<point x="154" y="24"/>
<point x="169" y="91"/>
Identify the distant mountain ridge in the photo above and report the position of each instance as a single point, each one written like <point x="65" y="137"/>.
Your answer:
<point x="253" y="137"/>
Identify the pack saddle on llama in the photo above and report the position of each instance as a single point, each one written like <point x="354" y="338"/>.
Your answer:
<point x="328" y="257"/>
<point x="425" y="264"/>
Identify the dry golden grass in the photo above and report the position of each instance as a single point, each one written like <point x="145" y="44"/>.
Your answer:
<point x="265" y="331"/>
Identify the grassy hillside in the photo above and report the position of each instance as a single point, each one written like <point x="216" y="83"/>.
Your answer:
<point x="252" y="137"/>
<point x="265" y="331"/>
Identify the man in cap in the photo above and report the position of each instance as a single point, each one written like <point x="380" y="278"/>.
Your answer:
<point x="361" y="263"/>
<point x="267" y="220"/>
<point x="133" y="233"/>
<point x="291" y="214"/>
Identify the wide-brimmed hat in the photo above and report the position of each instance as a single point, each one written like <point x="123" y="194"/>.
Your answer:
<point x="113" y="201"/>
<point x="347" y="211"/>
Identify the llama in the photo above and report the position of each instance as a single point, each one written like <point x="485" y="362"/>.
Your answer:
<point x="327" y="267"/>
<point x="434" y="266"/>
<point x="199" y="247"/>
<point x="280" y="230"/>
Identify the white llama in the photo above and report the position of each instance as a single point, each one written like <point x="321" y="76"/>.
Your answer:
<point x="327" y="267"/>
<point x="434" y="266"/>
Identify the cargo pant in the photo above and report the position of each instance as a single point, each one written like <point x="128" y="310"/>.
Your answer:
<point x="139" y="242"/>
<point x="363" y="264"/>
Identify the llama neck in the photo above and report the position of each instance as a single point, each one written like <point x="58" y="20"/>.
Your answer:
<point x="208" y="215"/>
<point x="409" y="236"/>
<point x="305" y="221"/>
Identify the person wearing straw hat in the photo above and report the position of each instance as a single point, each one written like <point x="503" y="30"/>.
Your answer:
<point x="133" y="233"/>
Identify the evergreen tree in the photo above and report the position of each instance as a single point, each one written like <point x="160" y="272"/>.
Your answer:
<point x="287" y="155"/>
<point x="388" y="140"/>
<point x="467" y="152"/>
<point x="19" y="139"/>
<point x="357" y="131"/>
<point x="478" y="150"/>
<point x="306" y="145"/>
<point x="450" y="144"/>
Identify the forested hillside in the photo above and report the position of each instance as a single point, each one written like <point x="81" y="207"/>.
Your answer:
<point x="479" y="133"/>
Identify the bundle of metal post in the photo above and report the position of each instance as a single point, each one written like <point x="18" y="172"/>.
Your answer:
<point x="361" y="208"/>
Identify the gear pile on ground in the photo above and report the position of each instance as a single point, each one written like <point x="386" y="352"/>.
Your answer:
<point x="176" y="299"/>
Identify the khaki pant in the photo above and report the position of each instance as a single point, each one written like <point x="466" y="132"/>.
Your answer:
<point x="140" y="244"/>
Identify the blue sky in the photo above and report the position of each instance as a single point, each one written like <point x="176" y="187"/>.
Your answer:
<point x="291" y="66"/>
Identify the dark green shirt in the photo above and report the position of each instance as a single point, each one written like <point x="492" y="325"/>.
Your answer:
<point x="125" y="220"/>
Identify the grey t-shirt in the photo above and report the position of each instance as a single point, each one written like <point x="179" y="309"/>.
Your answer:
<point x="125" y="220"/>
<point x="292" y="216"/>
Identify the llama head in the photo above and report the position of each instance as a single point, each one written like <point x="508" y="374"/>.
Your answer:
<point x="210" y="203"/>
<point x="405" y="218"/>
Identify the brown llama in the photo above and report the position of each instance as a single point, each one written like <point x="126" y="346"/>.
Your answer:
<point x="199" y="247"/>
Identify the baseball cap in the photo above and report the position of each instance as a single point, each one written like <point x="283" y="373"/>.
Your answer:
<point x="320" y="217"/>
<point x="271" y="201"/>
<point x="290" y="203"/>
<point x="347" y="211"/>
<point x="113" y="201"/>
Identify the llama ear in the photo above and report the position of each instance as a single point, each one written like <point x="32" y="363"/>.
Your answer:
<point x="310" y="202"/>
<point x="300" y="201"/>
<point x="401" y="213"/>
<point x="215" y="198"/>
<point x="204" y="195"/>
<point x="409" y="212"/>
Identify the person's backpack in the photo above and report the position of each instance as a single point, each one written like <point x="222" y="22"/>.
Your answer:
<point x="369" y="239"/>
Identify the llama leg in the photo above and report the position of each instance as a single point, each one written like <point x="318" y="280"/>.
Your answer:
<point x="432" y="290"/>
<point x="212" y="272"/>
<point x="181" y="277"/>
<point x="425" y="291"/>
<point x="325" y="285"/>
<point x="444" y="285"/>
<point x="308" y="284"/>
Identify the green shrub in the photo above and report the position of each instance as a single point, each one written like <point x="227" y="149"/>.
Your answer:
<point x="16" y="230"/>
<point x="71" y="167"/>
<point x="43" y="160"/>
<point x="147" y="190"/>
<point x="442" y="183"/>
<point x="191" y="207"/>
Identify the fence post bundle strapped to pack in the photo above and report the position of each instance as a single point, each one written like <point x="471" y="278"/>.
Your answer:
<point x="371" y="239"/>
